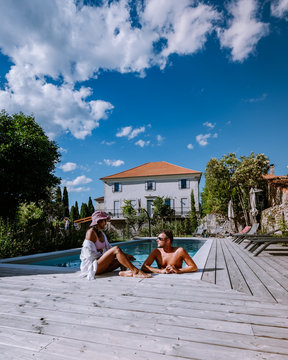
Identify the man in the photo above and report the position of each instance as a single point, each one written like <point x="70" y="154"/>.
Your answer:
<point x="169" y="259"/>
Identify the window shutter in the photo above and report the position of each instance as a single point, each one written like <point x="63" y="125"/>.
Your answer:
<point x="171" y="203"/>
<point x="146" y="185"/>
<point x="120" y="187"/>
<point x="113" y="187"/>
<point x="188" y="184"/>
<point x="179" y="184"/>
<point x="154" y="185"/>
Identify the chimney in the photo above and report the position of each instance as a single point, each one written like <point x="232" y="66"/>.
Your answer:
<point x="272" y="169"/>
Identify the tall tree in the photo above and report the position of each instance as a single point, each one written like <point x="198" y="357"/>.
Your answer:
<point x="65" y="202"/>
<point x="76" y="211"/>
<point x="73" y="216"/>
<point x="91" y="208"/>
<point x="84" y="211"/>
<point x="58" y="195"/>
<point x="192" y="215"/>
<point x="58" y="205"/>
<point x="27" y="162"/>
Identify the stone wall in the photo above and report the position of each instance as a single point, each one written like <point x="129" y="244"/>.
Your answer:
<point x="212" y="222"/>
<point x="273" y="217"/>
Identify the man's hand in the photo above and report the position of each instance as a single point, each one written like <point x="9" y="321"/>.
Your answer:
<point x="171" y="269"/>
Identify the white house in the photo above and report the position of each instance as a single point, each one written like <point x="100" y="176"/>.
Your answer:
<point x="144" y="183"/>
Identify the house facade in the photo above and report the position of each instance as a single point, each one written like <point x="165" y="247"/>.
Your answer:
<point x="144" y="183"/>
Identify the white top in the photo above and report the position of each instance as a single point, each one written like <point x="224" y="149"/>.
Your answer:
<point x="89" y="256"/>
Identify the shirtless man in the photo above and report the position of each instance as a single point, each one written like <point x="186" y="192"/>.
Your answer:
<point x="169" y="259"/>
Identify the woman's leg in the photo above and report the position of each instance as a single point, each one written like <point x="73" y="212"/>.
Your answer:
<point x="108" y="258"/>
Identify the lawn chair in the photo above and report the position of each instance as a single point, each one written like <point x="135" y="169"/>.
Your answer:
<point x="265" y="242"/>
<point x="199" y="231"/>
<point x="268" y="235"/>
<point x="252" y="231"/>
<point x="242" y="232"/>
<point x="218" y="231"/>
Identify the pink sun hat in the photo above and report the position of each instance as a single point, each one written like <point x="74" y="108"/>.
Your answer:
<point x="99" y="215"/>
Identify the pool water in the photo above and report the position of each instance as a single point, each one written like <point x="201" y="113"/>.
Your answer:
<point x="140" y="250"/>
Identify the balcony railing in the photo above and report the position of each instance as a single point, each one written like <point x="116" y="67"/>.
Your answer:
<point x="118" y="214"/>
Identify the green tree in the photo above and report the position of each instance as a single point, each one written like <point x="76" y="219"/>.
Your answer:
<point x="133" y="220"/>
<point x="58" y="203"/>
<point x="73" y="216"/>
<point x="84" y="211"/>
<point x="91" y="208"/>
<point x="232" y="178"/>
<point x="58" y="195"/>
<point x="65" y="202"/>
<point x="216" y="192"/>
<point x="161" y="209"/>
<point x="193" y="221"/>
<point x="77" y="211"/>
<point x="27" y="162"/>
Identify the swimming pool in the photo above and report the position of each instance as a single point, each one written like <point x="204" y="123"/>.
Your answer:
<point x="139" y="249"/>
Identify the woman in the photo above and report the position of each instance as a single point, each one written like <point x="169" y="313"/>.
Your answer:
<point x="98" y="256"/>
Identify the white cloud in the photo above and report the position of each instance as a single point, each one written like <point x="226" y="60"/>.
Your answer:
<point x="69" y="166"/>
<point x="125" y="131"/>
<point x="203" y="139"/>
<point x="113" y="162"/>
<point x="136" y="132"/>
<point x="184" y="25"/>
<point x="209" y="125"/>
<point x="257" y="99"/>
<point x="130" y="132"/>
<point x="73" y="185"/>
<point x="160" y="139"/>
<point x="190" y="147"/>
<point x="79" y="180"/>
<point x="244" y="31"/>
<point x="142" y="143"/>
<point x="52" y="53"/>
<point x="215" y="136"/>
<point x="108" y="143"/>
<point x="57" y="108"/>
<point x="279" y="8"/>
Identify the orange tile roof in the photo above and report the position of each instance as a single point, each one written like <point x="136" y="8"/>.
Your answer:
<point x="271" y="177"/>
<point x="157" y="168"/>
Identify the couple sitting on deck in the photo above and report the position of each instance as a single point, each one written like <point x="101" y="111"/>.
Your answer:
<point x="98" y="256"/>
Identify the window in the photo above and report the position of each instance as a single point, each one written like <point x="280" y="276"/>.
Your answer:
<point x="183" y="184"/>
<point x="117" y="187"/>
<point x="170" y="203"/>
<point x="150" y="185"/>
<point x="117" y="208"/>
<point x="184" y="206"/>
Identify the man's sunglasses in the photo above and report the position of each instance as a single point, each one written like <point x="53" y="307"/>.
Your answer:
<point x="159" y="238"/>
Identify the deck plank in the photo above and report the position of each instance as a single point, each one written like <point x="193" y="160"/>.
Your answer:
<point x="209" y="273"/>
<point x="45" y="316"/>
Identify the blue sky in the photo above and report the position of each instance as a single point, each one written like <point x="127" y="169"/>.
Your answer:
<point x="120" y="83"/>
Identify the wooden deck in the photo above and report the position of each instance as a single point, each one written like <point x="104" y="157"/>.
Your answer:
<point x="61" y="316"/>
<point x="233" y="267"/>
